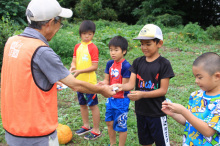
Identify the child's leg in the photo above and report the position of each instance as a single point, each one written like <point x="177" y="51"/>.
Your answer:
<point x="85" y="115"/>
<point x="159" y="130"/>
<point x="120" y="118"/>
<point x="144" y="135"/>
<point x="92" y="103"/>
<point x="111" y="132"/>
<point x="96" y="118"/>
<point x="122" y="138"/>
<point x="152" y="130"/>
<point x="84" y="109"/>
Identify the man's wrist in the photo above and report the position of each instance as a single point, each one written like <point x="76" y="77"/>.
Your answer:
<point x="99" y="89"/>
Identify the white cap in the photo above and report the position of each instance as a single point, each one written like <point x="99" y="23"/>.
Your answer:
<point x="148" y="32"/>
<point x="43" y="10"/>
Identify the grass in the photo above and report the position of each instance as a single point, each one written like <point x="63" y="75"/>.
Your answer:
<point x="179" y="90"/>
<point x="180" y="53"/>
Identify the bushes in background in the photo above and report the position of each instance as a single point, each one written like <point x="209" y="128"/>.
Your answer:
<point x="169" y="20"/>
<point x="213" y="32"/>
<point x="93" y="10"/>
<point x="195" y="33"/>
<point x="8" y="28"/>
<point x="166" y="20"/>
<point x="15" y="9"/>
<point x="64" y="41"/>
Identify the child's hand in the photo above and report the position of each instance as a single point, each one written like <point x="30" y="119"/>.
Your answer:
<point x="117" y="86"/>
<point x="135" y="95"/>
<point x="166" y="109"/>
<point x="76" y="73"/>
<point x="101" y="83"/>
<point x="72" y="68"/>
<point x="171" y="108"/>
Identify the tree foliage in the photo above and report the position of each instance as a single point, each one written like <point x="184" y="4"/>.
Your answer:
<point x="7" y="28"/>
<point x="68" y="3"/>
<point x="155" y="10"/>
<point x="14" y="9"/>
<point x="93" y="10"/>
<point x="205" y="12"/>
<point x="123" y="9"/>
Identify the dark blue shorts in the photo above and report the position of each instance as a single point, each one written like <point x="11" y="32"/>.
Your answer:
<point x="89" y="99"/>
<point x="117" y="111"/>
<point x="153" y="129"/>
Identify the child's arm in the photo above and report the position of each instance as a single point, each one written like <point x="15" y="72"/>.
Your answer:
<point x="136" y="95"/>
<point x="127" y="83"/>
<point x="125" y="80"/>
<point x="73" y="65"/>
<point x="89" y="69"/>
<point x="178" y="117"/>
<point x="177" y="109"/>
<point x="105" y="81"/>
<point x="197" y="123"/>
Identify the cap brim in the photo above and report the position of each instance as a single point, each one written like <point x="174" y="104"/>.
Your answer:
<point x="66" y="13"/>
<point x="143" y="38"/>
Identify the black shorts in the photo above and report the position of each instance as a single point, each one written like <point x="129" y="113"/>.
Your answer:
<point x="89" y="99"/>
<point x="153" y="130"/>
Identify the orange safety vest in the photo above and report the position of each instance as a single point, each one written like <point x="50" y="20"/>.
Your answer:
<point x="26" y="110"/>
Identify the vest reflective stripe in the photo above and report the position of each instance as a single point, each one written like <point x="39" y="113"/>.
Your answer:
<point x="26" y="110"/>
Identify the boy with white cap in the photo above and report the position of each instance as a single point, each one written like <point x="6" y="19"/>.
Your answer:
<point x="150" y="75"/>
<point x="29" y="74"/>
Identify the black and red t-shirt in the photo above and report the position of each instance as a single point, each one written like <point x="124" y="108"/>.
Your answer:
<point x="149" y="75"/>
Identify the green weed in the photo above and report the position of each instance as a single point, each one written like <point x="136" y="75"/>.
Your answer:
<point x="177" y="49"/>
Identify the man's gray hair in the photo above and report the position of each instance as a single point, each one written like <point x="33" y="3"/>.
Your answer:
<point x="38" y="24"/>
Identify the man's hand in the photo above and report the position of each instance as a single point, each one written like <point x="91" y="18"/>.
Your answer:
<point x="60" y="84"/>
<point x="107" y="91"/>
<point x="135" y="95"/>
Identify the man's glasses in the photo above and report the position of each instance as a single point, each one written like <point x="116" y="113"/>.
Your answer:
<point x="57" y="19"/>
<point x="61" y="24"/>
